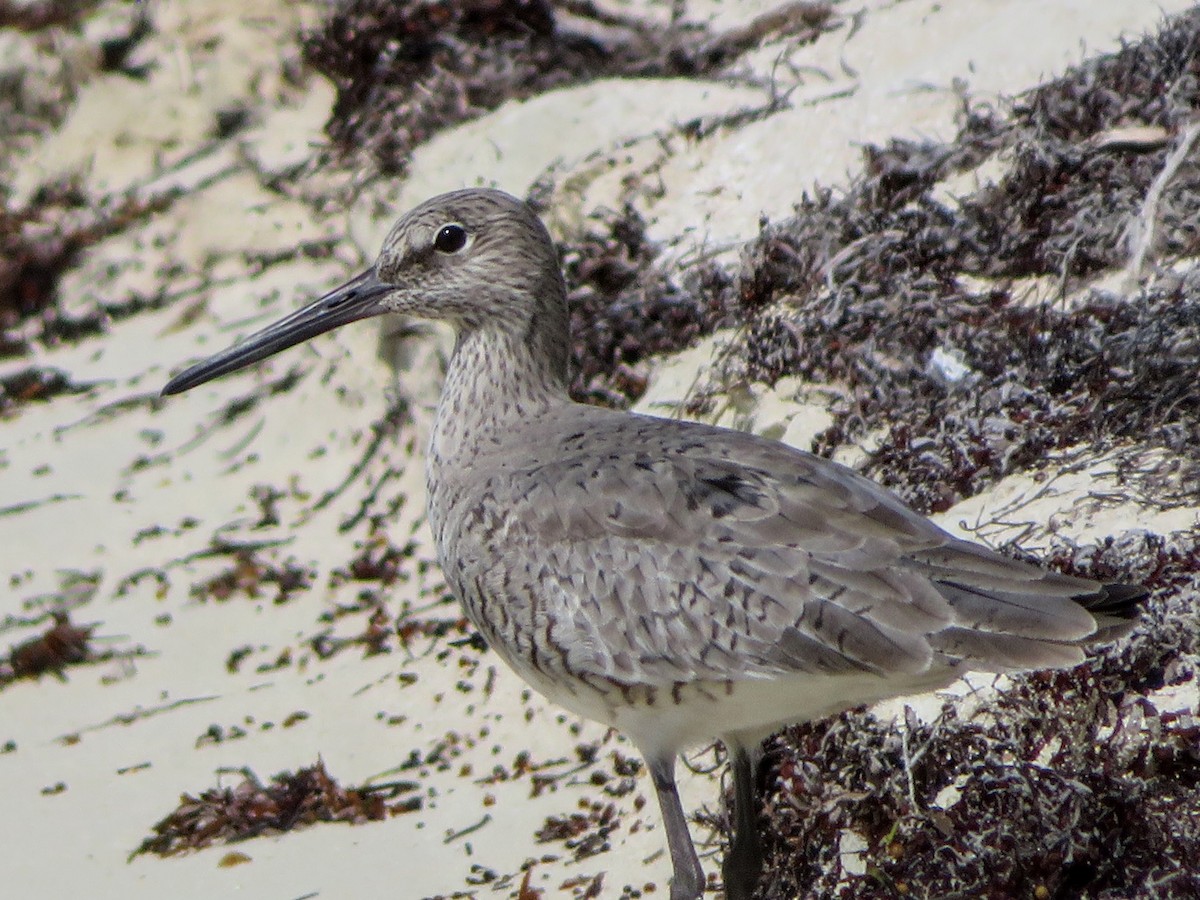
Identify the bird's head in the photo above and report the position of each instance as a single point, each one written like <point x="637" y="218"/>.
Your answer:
<point x="480" y="259"/>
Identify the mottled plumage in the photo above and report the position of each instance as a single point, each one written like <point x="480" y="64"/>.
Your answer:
<point x="678" y="581"/>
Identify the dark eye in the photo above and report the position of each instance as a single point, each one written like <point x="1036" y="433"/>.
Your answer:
<point x="450" y="239"/>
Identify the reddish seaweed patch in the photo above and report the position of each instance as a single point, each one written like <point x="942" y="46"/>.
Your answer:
<point x="406" y="70"/>
<point x="63" y="644"/>
<point x="870" y="289"/>
<point x="292" y="800"/>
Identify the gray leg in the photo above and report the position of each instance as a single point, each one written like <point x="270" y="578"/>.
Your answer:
<point x="687" y="882"/>
<point x="744" y="862"/>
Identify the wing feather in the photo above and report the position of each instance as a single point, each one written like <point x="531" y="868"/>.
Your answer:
<point x="660" y="557"/>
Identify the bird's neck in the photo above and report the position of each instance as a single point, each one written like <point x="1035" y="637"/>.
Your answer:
<point x="497" y="381"/>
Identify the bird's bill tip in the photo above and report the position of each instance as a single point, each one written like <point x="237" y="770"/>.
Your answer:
<point x="359" y="298"/>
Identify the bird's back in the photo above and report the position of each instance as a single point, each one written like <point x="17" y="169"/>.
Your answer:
<point x="594" y="547"/>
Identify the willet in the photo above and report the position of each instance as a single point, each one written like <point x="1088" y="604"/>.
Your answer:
<point x="678" y="581"/>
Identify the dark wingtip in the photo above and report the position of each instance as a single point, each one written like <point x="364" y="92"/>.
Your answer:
<point x="1116" y="601"/>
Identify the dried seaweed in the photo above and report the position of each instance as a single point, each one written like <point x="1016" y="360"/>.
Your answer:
<point x="406" y="70"/>
<point x="870" y="287"/>
<point x="249" y="574"/>
<point x="292" y="800"/>
<point x="625" y="310"/>
<point x="1067" y="784"/>
<point x="62" y="644"/>
<point x="40" y="241"/>
<point x="43" y="14"/>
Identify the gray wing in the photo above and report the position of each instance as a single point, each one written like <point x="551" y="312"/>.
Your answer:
<point x="657" y="553"/>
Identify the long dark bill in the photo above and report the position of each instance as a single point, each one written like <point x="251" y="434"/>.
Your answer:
<point x="357" y="299"/>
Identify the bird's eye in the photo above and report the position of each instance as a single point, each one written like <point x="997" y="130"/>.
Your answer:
<point x="450" y="239"/>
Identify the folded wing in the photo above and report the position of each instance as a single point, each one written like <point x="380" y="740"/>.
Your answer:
<point x="653" y="557"/>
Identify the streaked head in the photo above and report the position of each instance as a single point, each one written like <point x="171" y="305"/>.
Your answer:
<point x="477" y="258"/>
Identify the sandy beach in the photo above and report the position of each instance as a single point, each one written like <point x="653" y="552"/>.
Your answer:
<point x="245" y="571"/>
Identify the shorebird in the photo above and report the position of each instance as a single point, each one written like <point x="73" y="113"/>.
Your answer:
<point x="678" y="581"/>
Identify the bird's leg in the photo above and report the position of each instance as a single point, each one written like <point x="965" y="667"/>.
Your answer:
<point x="687" y="880"/>
<point x="744" y="861"/>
